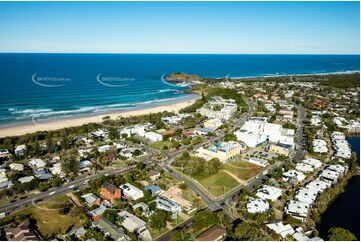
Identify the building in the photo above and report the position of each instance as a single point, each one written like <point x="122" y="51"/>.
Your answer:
<point x="279" y="150"/>
<point x="312" y="162"/>
<point x="219" y="108"/>
<point x="168" y="205"/>
<point x="306" y="195"/>
<point x="96" y="213"/>
<point x="256" y="205"/>
<point x="319" y="146"/>
<point x="213" y="124"/>
<point x="259" y="162"/>
<point x="293" y="175"/>
<point x="305" y="168"/>
<point x="104" y="148"/>
<point x="153" y="137"/>
<point x="281" y="229"/>
<point x="318" y="185"/>
<point x="91" y="199"/>
<point x="23" y="232"/>
<point x="224" y="151"/>
<point x="57" y="170"/>
<point x="257" y="131"/>
<point x="131" y="222"/>
<point x="4" y="154"/>
<point x="154" y="175"/>
<point x="267" y="192"/>
<point x="20" y="150"/>
<point x="131" y="192"/>
<point x="37" y="163"/>
<point x="133" y="130"/>
<point x="155" y="190"/>
<point x="110" y="192"/>
<point x="214" y="233"/>
<point x="26" y="179"/>
<point x="16" y="167"/>
<point x="175" y="194"/>
<point x="42" y="174"/>
<point x="297" y="209"/>
<point x="111" y="230"/>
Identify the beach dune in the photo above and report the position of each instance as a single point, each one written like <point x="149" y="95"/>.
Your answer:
<point x="32" y="127"/>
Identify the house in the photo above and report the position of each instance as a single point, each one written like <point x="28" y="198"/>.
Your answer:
<point x="202" y="131"/>
<point x="224" y="151"/>
<point x="131" y="192"/>
<point x="168" y="205"/>
<point x="108" y="228"/>
<point x="319" y="146"/>
<point x="16" y="167"/>
<point x="110" y="192"/>
<point x="42" y="174"/>
<point x="318" y="185"/>
<point x="306" y="195"/>
<point x="96" y="213"/>
<point x="153" y="137"/>
<point x="154" y="175"/>
<point x="214" y="233"/>
<point x="4" y="154"/>
<point x="37" y="163"/>
<point x="155" y="190"/>
<point x="99" y="134"/>
<point x="256" y="205"/>
<point x="144" y="208"/>
<point x="109" y="158"/>
<point x="84" y="163"/>
<point x="26" y="179"/>
<point x="22" y="232"/>
<point x="104" y="148"/>
<point x="281" y="229"/>
<point x="91" y="199"/>
<point x="20" y="150"/>
<point x="133" y="130"/>
<point x="267" y="192"/>
<point x="293" y="175"/>
<point x="76" y="234"/>
<point x="131" y="222"/>
<point x="305" y="168"/>
<point x="175" y="194"/>
<point x="57" y="170"/>
<point x="297" y="209"/>
<point x="312" y="162"/>
<point x="218" y="108"/>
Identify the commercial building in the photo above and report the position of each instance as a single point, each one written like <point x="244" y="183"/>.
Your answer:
<point x="224" y="151"/>
<point x="219" y="108"/>
<point x="213" y="124"/>
<point x="257" y="131"/>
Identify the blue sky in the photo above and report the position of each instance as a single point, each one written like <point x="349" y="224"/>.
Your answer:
<point x="181" y="27"/>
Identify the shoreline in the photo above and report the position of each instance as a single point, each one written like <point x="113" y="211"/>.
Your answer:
<point x="34" y="126"/>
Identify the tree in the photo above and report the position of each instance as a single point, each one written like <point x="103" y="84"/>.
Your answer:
<point x="246" y="231"/>
<point x="203" y="219"/>
<point x="140" y="165"/>
<point x="340" y="234"/>
<point x="158" y="219"/>
<point x="70" y="165"/>
<point x="230" y="137"/>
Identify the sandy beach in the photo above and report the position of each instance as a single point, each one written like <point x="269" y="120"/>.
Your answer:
<point x="73" y="122"/>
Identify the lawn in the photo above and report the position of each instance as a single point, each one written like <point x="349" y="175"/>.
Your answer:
<point x="218" y="183"/>
<point x="51" y="221"/>
<point x="242" y="169"/>
<point x="159" y="145"/>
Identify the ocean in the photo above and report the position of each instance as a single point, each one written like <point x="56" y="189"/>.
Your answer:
<point x="52" y="86"/>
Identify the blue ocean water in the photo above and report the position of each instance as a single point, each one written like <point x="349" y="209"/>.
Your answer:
<point x="67" y="85"/>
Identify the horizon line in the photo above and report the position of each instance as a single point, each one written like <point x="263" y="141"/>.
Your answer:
<point x="175" y="53"/>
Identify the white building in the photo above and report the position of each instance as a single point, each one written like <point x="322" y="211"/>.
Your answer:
<point x="131" y="222"/>
<point x="318" y="185"/>
<point x="169" y="205"/>
<point x="213" y="124"/>
<point x="305" y="168"/>
<point x="57" y="170"/>
<point x="319" y="146"/>
<point x="259" y="162"/>
<point x="37" y="163"/>
<point x="104" y="148"/>
<point x="312" y="162"/>
<point x="330" y="176"/>
<point x="256" y="205"/>
<point x="134" y="130"/>
<point x="269" y="193"/>
<point x="306" y="195"/>
<point x="255" y="132"/>
<point x="20" y="150"/>
<point x="293" y="174"/>
<point x="131" y="192"/>
<point x="153" y="137"/>
<point x="26" y="179"/>
<point x="211" y="108"/>
<point x="297" y="209"/>
<point x="224" y="151"/>
<point x="281" y="229"/>
<point x="16" y="167"/>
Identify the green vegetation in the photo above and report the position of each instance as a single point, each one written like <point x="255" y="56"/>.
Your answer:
<point x="204" y="219"/>
<point x="242" y="169"/>
<point x="342" y="80"/>
<point x="340" y="234"/>
<point x="212" y="92"/>
<point x="218" y="183"/>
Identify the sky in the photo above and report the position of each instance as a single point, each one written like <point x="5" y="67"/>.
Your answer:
<point x="181" y="27"/>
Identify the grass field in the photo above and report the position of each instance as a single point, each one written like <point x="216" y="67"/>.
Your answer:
<point x="243" y="169"/>
<point x="218" y="183"/>
<point x="51" y="221"/>
<point x="159" y="145"/>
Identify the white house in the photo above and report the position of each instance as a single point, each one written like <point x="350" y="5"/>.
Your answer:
<point x="281" y="229"/>
<point x="256" y="205"/>
<point x="297" y="209"/>
<point x="153" y="137"/>
<point x="132" y="192"/>
<point x="269" y="193"/>
<point x="16" y="167"/>
<point x="20" y="150"/>
<point x="104" y="148"/>
<point x="293" y="174"/>
<point x="131" y="222"/>
<point x="168" y="205"/>
<point x="37" y="163"/>
<point x="306" y="195"/>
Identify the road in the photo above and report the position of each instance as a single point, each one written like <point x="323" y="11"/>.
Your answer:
<point x="57" y="191"/>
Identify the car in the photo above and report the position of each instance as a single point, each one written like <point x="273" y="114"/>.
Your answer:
<point x="71" y="186"/>
<point x="52" y="193"/>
